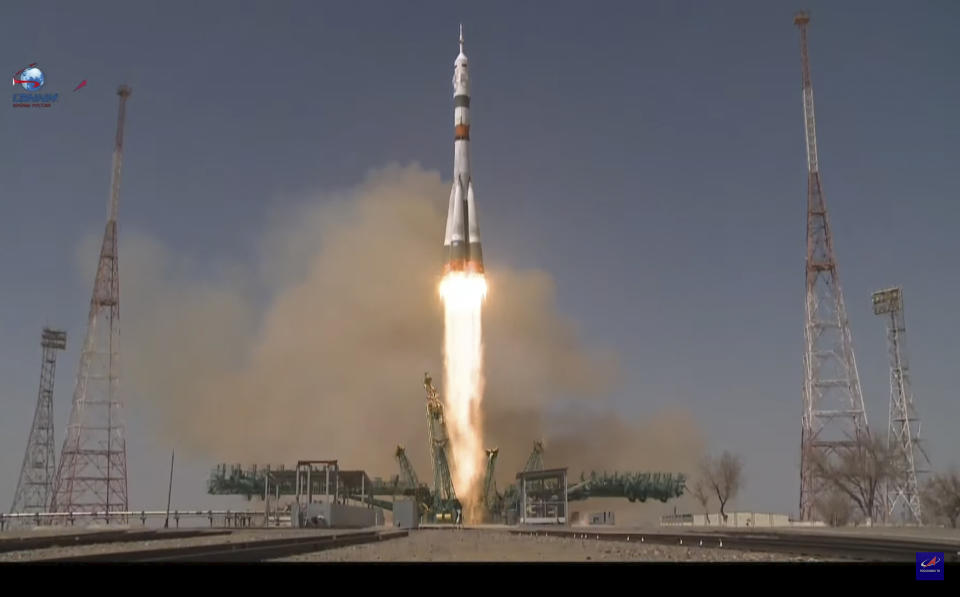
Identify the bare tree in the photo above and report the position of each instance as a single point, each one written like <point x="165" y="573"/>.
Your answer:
<point x="835" y="508"/>
<point x="860" y="472"/>
<point x="702" y="494"/>
<point x="724" y="477"/>
<point x="941" y="497"/>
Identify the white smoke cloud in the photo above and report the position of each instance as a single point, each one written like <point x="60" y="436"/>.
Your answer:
<point x="331" y="364"/>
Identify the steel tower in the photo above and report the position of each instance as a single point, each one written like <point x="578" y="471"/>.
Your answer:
<point x="903" y="494"/>
<point x="92" y="476"/>
<point x="444" y="494"/>
<point x="36" y="473"/>
<point x="535" y="460"/>
<point x="408" y="477"/>
<point x="489" y="480"/>
<point x="833" y="414"/>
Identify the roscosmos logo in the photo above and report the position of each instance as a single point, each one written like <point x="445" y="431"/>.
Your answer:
<point x="929" y="565"/>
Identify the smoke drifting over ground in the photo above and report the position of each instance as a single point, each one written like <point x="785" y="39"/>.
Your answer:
<point x="329" y="364"/>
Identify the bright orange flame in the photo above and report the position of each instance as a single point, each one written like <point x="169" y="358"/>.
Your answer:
<point x="463" y="295"/>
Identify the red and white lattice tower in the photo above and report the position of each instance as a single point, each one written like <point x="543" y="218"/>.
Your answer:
<point x="833" y="414"/>
<point x="92" y="476"/>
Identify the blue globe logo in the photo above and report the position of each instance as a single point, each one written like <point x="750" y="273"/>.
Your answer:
<point x="30" y="78"/>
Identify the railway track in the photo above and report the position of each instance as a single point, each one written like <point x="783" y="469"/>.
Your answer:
<point x="255" y="550"/>
<point x="834" y="546"/>
<point x="98" y="537"/>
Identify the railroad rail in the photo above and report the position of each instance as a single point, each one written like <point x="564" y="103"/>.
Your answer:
<point x="838" y="546"/>
<point x="254" y="550"/>
<point x="9" y="544"/>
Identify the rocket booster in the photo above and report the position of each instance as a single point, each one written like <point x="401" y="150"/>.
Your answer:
<point x="461" y="242"/>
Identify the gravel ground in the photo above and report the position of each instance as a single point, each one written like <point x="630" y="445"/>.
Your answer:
<point x="80" y="550"/>
<point x="498" y="546"/>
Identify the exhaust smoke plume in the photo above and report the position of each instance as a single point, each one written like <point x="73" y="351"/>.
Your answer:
<point x="318" y="350"/>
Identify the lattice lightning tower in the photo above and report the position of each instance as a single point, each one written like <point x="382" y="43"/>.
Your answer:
<point x="833" y="414"/>
<point x="92" y="476"/>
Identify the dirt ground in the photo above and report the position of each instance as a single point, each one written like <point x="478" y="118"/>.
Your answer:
<point x="500" y="546"/>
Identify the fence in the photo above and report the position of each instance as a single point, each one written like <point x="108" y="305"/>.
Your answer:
<point x="225" y="518"/>
<point x="734" y="519"/>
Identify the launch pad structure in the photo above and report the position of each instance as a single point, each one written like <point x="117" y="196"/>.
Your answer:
<point x="541" y="495"/>
<point x="444" y="507"/>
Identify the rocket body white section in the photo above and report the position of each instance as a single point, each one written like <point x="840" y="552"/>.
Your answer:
<point x="473" y="226"/>
<point x="449" y="232"/>
<point x="461" y="80"/>
<point x="457" y="232"/>
<point x="461" y="162"/>
<point x="462" y="235"/>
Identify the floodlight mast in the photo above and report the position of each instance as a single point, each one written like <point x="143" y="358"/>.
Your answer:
<point x="902" y="494"/>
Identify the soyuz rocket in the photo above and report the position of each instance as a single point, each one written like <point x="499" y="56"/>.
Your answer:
<point x="461" y="242"/>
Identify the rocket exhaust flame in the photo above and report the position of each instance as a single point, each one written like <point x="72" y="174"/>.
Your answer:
<point x="463" y="294"/>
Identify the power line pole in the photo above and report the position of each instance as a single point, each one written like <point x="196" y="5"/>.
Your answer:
<point x="166" y="522"/>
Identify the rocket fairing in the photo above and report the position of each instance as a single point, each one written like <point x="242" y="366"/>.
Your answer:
<point x="461" y="242"/>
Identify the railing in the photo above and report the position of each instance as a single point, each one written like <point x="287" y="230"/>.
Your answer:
<point x="734" y="519"/>
<point x="226" y="518"/>
<point x="676" y="519"/>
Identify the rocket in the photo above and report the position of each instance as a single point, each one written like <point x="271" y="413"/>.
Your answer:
<point x="461" y="242"/>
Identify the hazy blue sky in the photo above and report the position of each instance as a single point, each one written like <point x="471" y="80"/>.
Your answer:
<point x="649" y="155"/>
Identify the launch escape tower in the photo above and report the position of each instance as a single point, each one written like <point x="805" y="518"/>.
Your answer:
<point x="902" y="495"/>
<point x="92" y="475"/>
<point x="833" y="413"/>
<point x="36" y="473"/>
